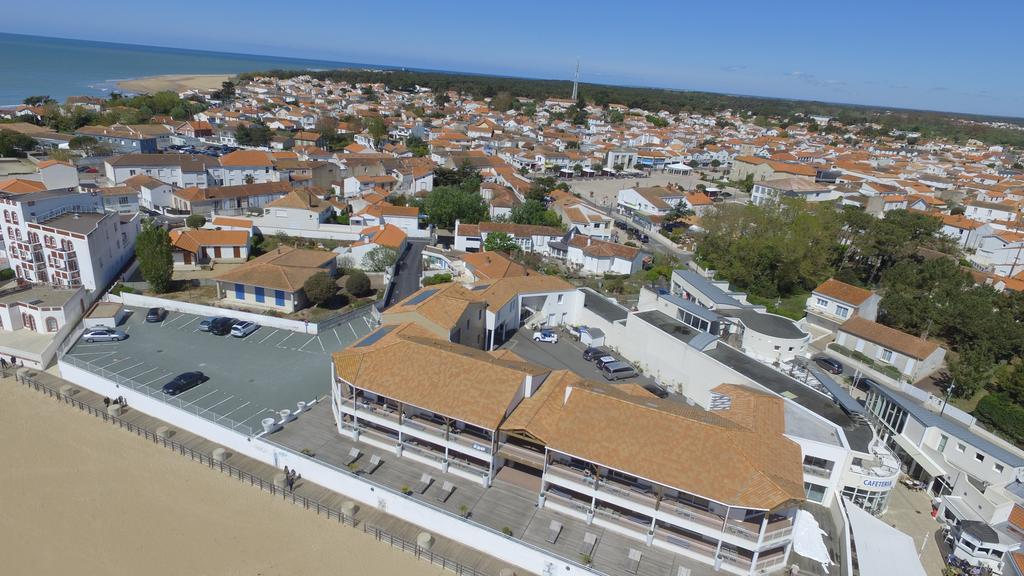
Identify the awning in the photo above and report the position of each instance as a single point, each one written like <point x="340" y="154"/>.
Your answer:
<point x="930" y="466"/>
<point x="881" y="549"/>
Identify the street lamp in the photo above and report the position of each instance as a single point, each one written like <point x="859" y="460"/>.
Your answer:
<point x="949" y="392"/>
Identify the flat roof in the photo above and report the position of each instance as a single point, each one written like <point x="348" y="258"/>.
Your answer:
<point x="708" y="288"/>
<point x="691" y="307"/>
<point x="39" y="296"/>
<point x="676" y="329"/>
<point x="951" y="427"/>
<point x="80" y="222"/>
<point x="603" y="307"/>
<point x="858" y="434"/>
<point x="765" y="323"/>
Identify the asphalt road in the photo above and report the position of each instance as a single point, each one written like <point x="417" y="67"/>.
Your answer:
<point x="407" y="273"/>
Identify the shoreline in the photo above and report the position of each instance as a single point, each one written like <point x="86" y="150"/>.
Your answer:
<point x="172" y="82"/>
<point x="86" y="498"/>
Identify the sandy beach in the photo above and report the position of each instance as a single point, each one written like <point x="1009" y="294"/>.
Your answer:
<point x="173" y="82"/>
<point x="82" y="497"/>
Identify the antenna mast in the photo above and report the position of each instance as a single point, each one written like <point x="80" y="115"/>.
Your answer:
<point x="576" y="80"/>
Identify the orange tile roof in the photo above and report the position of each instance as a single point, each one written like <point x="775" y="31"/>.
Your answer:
<point x="388" y="235"/>
<point x="843" y="292"/>
<point x="891" y="338"/>
<point x="192" y="240"/>
<point x="285" y="268"/>
<point x="493" y="265"/>
<point x="21" y="186"/>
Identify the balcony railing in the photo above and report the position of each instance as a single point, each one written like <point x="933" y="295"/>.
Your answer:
<point x="817" y="471"/>
<point x="523" y="454"/>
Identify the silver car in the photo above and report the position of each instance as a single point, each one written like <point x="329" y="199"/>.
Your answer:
<point x="103" y="334"/>
<point x="243" y="329"/>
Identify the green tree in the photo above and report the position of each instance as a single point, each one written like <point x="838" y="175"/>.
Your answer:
<point x="534" y="212"/>
<point x="358" y="283"/>
<point x="417" y="146"/>
<point x="379" y="259"/>
<point x="195" y="221"/>
<point x="500" y="242"/>
<point x="615" y="117"/>
<point x="153" y="249"/>
<point x="375" y="126"/>
<point x="15" y="143"/>
<point x="37" y="100"/>
<point x="319" y="288"/>
<point x="254" y="135"/>
<point x="971" y="371"/>
<point x="465" y="176"/>
<point x="447" y="204"/>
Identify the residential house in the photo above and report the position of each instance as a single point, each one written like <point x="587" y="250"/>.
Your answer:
<point x="246" y="167"/>
<point x="773" y="190"/>
<point x="125" y="139"/>
<point x="834" y="302"/>
<point x="193" y="248"/>
<point x="592" y="255"/>
<point x="299" y="209"/>
<point x="122" y="199"/>
<point x="584" y="218"/>
<point x="914" y="358"/>
<point x="406" y="218"/>
<point x="181" y="170"/>
<point x="274" y="281"/>
<point x="229" y="200"/>
<point x="529" y="238"/>
<point x="450" y="312"/>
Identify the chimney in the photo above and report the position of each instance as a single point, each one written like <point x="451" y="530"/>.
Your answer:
<point x="588" y="240"/>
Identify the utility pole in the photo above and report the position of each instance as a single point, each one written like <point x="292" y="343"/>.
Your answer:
<point x="949" y="392"/>
<point x="576" y="81"/>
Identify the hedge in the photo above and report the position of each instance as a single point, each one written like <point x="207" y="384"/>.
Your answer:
<point x="6" y="274"/>
<point x="1002" y="414"/>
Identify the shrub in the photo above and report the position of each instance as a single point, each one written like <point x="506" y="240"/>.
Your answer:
<point x="119" y="289"/>
<point x="358" y="283"/>
<point x="862" y="357"/>
<point x="319" y="288"/>
<point x="7" y="274"/>
<point x="1002" y="414"/>
<point x="437" y="279"/>
<point x="195" y="221"/>
<point x="506" y="531"/>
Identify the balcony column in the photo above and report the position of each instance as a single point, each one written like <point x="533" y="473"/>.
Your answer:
<point x="760" y="541"/>
<point x="725" y="522"/>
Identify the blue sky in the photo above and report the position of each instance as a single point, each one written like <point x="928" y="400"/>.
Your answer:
<point x="941" y="55"/>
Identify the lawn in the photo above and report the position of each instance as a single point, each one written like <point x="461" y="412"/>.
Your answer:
<point x="791" y="307"/>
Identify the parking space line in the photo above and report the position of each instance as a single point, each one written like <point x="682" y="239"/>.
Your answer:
<point x="105" y="366"/>
<point x="194" y="318"/>
<point x="340" y="343"/>
<point x="158" y="378"/>
<point x="321" y="343"/>
<point x="265" y="338"/>
<point x="353" y="330"/>
<point x="226" y="414"/>
<point x="214" y="391"/>
<point x="221" y="402"/>
<point x="307" y="342"/>
<point x="290" y="334"/>
<point x="142" y="373"/>
<point x="167" y="322"/>
<point x="366" y="320"/>
<point x="129" y="368"/>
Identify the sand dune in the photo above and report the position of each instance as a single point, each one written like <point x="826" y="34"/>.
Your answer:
<point x="79" y="496"/>
<point x="173" y="82"/>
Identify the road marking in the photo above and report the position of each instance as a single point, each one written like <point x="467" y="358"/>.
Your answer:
<point x="366" y="320"/>
<point x="129" y="368"/>
<point x="219" y="403"/>
<point x="158" y="378"/>
<point x="194" y="318"/>
<point x="105" y="366"/>
<point x="142" y="373"/>
<point x="214" y="391"/>
<point x="307" y="342"/>
<point x="353" y="330"/>
<point x="168" y="320"/>
<point x="268" y="336"/>
<point x="321" y="343"/>
<point x="235" y="410"/>
<point x="290" y="334"/>
<point x="340" y="343"/>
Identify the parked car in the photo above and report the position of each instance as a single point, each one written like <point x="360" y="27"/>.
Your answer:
<point x="865" y="384"/>
<point x="243" y="328"/>
<point x="644" y="238"/>
<point x="204" y="324"/>
<point x="183" y="382"/>
<point x="605" y="360"/>
<point x="103" y="334"/>
<point x="617" y="371"/>
<point x="222" y="326"/>
<point x="591" y="353"/>
<point x="658" y="391"/>
<point x="545" y="335"/>
<point x="829" y="365"/>
<point x="155" y="314"/>
<point x="621" y="225"/>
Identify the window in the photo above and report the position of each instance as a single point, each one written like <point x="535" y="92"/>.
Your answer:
<point x="51" y="324"/>
<point x="822" y="302"/>
<point x="960" y="447"/>
<point x="942" y="442"/>
<point x="560" y="296"/>
<point x="885" y="355"/>
<point x="842" y="311"/>
<point x="997" y="467"/>
<point x="814" y="492"/>
<point x="979" y="456"/>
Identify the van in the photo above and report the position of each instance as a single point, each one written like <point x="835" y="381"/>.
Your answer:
<point x="617" y="371"/>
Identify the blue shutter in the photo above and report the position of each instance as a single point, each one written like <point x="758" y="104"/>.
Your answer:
<point x="279" y="297"/>
<point x="259" y="293"/>
<point x="239" y="292"/>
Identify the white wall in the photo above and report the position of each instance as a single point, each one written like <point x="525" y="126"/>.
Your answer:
<point x="140" y="301"/>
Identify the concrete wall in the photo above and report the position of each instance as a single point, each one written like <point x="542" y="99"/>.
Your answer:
<point x="140" y="301"/>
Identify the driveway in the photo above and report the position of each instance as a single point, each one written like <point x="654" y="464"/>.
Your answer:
<point x="407" y="273"/>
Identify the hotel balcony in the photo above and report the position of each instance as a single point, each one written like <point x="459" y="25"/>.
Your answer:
<point x="817" y="471"/>
<point x="522" y="454"/>
<point x="61" y="253"/>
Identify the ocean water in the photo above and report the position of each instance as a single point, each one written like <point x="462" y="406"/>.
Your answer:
<point x="35" y="65"/>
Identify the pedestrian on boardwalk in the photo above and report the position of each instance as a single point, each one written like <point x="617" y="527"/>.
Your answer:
<point x="106" y="402"/>
<point x="291" y="482"/>
<point x="3" y="363"/>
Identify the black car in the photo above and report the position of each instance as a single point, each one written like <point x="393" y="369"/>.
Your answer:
<point x="656" y="390"/>
<point x="221" y="326"/>
<point x="183" y="383"/>
<point x="644" y="238"/>
<point x="591" y="353"/>
<point x="621" y="225"/>
<point x="829" y="365"/>
<point x="155" y="314"/>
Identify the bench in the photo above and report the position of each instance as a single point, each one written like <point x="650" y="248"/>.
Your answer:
<point x="446" y="491"/>
<point x="554" y="529"/>
<point x="353" y="455"/>
<point x="425" y="482"/>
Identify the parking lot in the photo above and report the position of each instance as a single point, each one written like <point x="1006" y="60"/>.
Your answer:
<point x="249" y="378"/>
<point x="566" y="354"/>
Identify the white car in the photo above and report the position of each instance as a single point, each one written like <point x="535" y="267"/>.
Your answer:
<point x="103" y="334"/>
<point x="545" y="336"/>
<point x="243" y="328"/>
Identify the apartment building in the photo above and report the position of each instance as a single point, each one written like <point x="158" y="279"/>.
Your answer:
<point x="470" y="413"/>
<point x="229" y="200"/>
<point x="66" y="239"/>
<point x="530" y="238"/>
<point x="181" y="170"/>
